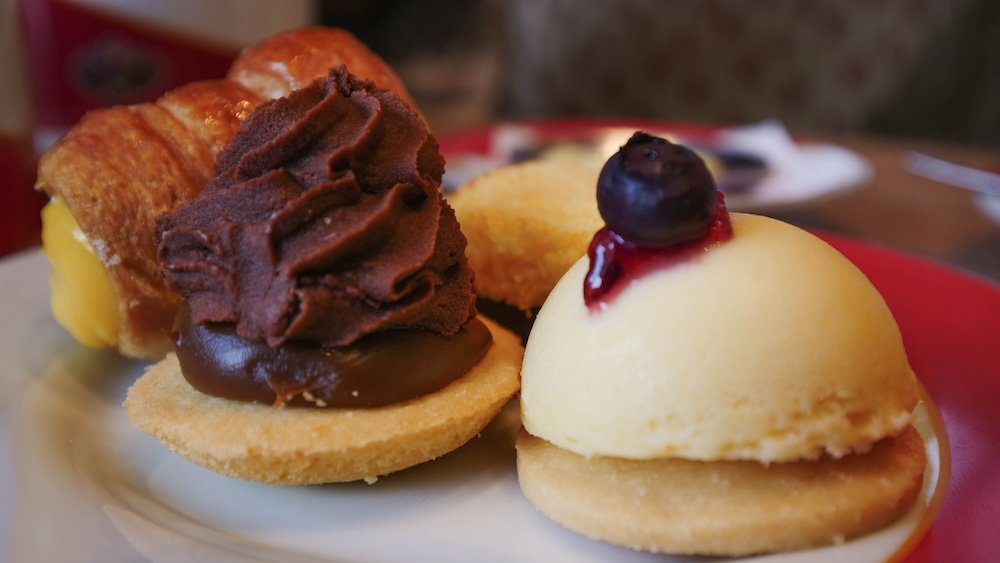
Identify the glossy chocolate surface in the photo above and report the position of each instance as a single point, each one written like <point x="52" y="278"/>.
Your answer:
<point x="382" y="368"/>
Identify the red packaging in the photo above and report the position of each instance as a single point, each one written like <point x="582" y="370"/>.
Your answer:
<point x="19" y="204"/>
<point x="87" y="54"/>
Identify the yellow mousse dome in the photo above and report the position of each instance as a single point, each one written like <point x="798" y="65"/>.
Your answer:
<point x="770" y="346"/>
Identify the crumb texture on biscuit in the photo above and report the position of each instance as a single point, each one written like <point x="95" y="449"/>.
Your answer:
<point x="307" y="446"/>
<point x="527" y="224"/>
<point x="771" y="347"/>
<point x="729" y="508"/>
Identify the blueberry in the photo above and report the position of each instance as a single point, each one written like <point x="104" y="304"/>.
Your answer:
<point x="656" y="193"/>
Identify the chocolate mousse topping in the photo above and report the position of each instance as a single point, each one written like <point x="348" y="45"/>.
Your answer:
<point x="325" y="224"/>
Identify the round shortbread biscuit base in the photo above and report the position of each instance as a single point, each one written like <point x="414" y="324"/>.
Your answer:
<point x="526" y="225"/>
<point x="722" y="508"/>
<point x="306" y="446"/>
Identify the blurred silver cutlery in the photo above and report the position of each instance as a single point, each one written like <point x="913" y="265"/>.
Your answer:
<point x="973" y="179"/>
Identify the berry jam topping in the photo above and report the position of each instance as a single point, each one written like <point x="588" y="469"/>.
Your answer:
<point x="661" y="207"/>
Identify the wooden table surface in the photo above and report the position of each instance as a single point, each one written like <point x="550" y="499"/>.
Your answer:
<point x="909" y="213"/>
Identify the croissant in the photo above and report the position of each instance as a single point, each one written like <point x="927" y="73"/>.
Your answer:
<point x="118" y="169"/>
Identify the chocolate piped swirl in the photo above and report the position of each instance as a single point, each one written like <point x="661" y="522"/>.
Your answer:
<point x="325" y="224"/>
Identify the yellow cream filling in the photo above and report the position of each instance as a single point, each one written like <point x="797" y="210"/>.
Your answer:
<point x="82" y="301"/>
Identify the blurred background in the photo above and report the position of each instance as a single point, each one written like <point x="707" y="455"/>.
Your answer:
<point x="903" y="69"/>
<point x="900" y="67"/>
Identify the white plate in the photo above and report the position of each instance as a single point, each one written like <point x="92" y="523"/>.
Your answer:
<point x="87" y="486"/>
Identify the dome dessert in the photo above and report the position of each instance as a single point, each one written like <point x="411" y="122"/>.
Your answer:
<point x="713" y="383"/>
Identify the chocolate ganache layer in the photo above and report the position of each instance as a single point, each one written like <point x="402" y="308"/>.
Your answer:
<point x="325" y="223"/>
<point x="380" y="369"/>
